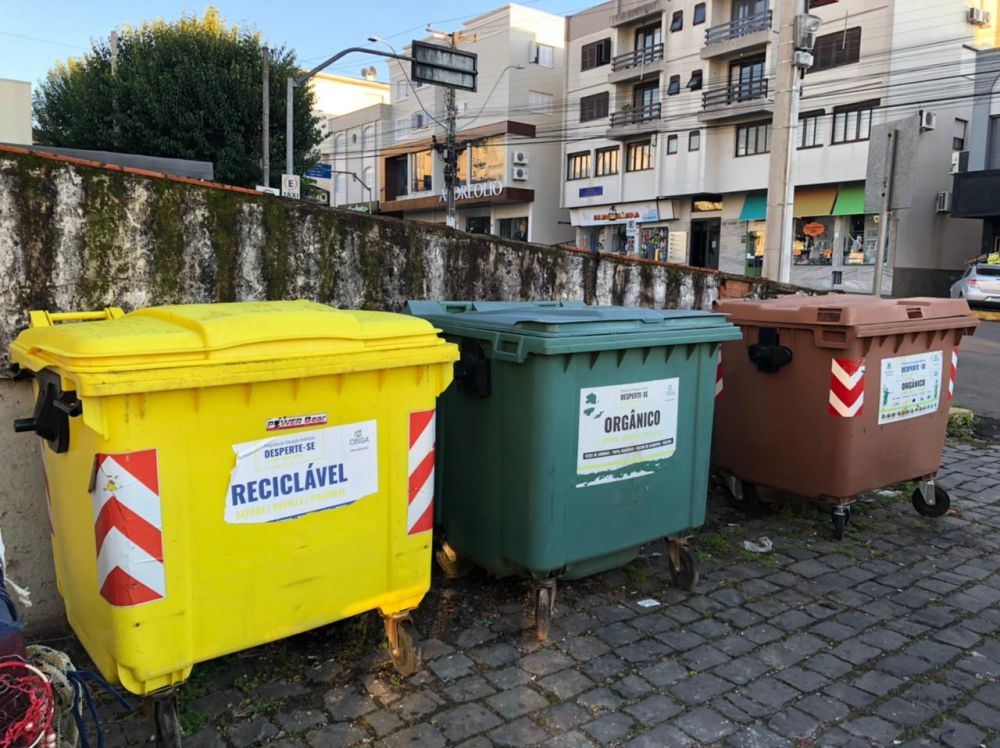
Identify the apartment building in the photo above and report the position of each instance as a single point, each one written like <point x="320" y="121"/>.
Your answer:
<point x="509" y="171"/>
<point x="15" y="112"/>
<point x="667" y="135"/>
<point x="354" y="118"/>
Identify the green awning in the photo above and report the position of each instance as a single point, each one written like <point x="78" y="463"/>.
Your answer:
<point x="755" y="206"/>
<point x="850" y="200"/>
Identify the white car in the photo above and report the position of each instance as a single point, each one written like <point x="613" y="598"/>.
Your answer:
<point x="979" y="285"/>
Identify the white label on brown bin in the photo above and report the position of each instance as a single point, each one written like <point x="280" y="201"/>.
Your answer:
<point x="910" y="386"/>
<point x="625" y="424"/>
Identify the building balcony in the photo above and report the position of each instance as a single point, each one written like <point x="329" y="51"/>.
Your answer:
<point x="634" y="121"/>
<point x="735" y="100"/>
<point x="738" y="35"/>
<point x="637" y="63"/>
<point x="632" y="11"/>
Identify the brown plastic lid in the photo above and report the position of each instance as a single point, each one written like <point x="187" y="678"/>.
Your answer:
<point x="843" y="310"/>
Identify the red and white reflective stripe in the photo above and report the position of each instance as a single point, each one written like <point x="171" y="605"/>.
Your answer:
<point x="954" y="373"/>
<point x="718" y="377"/>
<point x="128" y="528"/>
<point x="420" y="511"/>
<point x="847" y="387"/>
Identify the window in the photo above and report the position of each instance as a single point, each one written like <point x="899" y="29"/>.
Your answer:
<point x="542" y="54"/>
<point x="340" y="189"/>
<point x="753" y="138"/>
<point x="699" y="14"/>
<point x="594" y="107"/>
<point x="418" y="121"/>
<point x="861" y="241"/>
<point x="674" y="87"/>
<point x="606" y="162"/>
<point x="477" y="224"/>
<point x="811" y="129"/>
<point x="513" y="228"/>
<point x="647" y="37"/>
<point x="481" y="163"/>
<point x="747" y="80"/>
<point x="400" y="126"/>
<point x="540" y="102"/>
<point x="694" y="140"/>
<point x="812" y="243"/>
<point x="645" y="96"/>
<point x="396" y="180"/>
<point x="818" y="3"/>
<point x="958" y="135"/>
<point x="677" y="20"/>
<point x="368" y="176"/>
<point x="595" y="54"/>
<point x="836" y="49"/>
<point x="696" y="80"/>
<point x="401" y="90"/>
<point x="578" y="165"/>
<point x="852" y="123"/>
<point x="638" y="156"/>
<point x="422" y="170"/>
<point x="368" y="140"/>
<point x="339" y="144"/>
<point x="671" y="145"/>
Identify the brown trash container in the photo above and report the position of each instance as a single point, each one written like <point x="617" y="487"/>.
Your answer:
<point x="826" y="397"/>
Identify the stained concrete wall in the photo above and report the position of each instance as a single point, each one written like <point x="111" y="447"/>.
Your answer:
<point x="76" y="237"/>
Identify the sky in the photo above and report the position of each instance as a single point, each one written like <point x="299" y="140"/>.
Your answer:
<point x="37" y="33"/>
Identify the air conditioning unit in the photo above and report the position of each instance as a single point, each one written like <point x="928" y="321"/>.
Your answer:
<point x="987" y="18"/>
<point x="928" y="119"/>
<point x="520" y="158"/>
<point x="942" y="203"/>
<point x="520" y="173"/>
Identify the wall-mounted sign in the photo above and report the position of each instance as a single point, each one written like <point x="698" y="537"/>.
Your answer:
<point x="478" y="190"/>
<point x="601" y="216"/>
<point x="290" y="185"/>
<point x="320" y="171"/>
<point x="592" y="191"/>
<point x="677" y="247"/>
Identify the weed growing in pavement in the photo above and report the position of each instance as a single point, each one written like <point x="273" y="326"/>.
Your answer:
<point x="256" y="708"/>
<point x="192" y="721"/>
<point x="248" y="683"/>
<point x="636" y="574"/>
<point x="715" y="544"/>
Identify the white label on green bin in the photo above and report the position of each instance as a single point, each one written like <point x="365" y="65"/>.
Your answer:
<point x="625" y="424"/>
<point x="287" y="476"/>
<point x="910" y="386"/>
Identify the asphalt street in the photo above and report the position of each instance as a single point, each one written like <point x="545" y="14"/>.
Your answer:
<point x="978" y="385"/>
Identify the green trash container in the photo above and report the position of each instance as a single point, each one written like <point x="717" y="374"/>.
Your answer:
<point x="571" y="435"/>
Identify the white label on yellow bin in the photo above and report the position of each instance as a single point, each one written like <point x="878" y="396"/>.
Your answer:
<point x="286" y="476"/>
<point x="625" y="424"/>
<point x="910" y="386"/>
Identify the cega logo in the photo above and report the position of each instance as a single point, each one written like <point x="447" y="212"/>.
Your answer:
<point x="358" y="439"/>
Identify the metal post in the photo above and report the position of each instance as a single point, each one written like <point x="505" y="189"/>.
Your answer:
<point x="883" y="219"/>
<point x="450" y="154"/>
<point x="265" y="162"/>
<point x="289" y="120"/>
<point x="780" y="184"/>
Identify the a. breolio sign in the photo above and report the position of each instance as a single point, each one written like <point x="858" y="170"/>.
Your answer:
<point x="478" y="190"/>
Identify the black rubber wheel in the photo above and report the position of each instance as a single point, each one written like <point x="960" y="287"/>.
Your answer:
<point x="453" y="565"/>
<point x="685" y="576"/>
<point x="543" y="612"/>
<point x="167" y="722"/>
<point x="840" y="522"/>
<point x="942" y="502"/>
<point x="747" y="498"/>
<point x="406" y="657"/>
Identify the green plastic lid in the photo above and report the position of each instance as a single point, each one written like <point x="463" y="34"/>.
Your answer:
<point x="551" y="327"/>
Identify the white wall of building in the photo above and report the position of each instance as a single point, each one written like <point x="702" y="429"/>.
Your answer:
<point x="15" y="111"/>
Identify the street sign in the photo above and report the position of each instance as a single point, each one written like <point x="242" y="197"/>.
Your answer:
<point x="443" y="66"/>
<point x="320" y="171"/>
<point x="290" y="185"/>
<point x="631" y="227"/>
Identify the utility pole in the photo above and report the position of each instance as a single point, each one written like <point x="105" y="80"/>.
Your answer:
<point x="265" y="162"/>
<point x="883" y="218"/>
<point x="796" y="36"/>
<point x="451" y="155"/>
<point x="781" y="180"/>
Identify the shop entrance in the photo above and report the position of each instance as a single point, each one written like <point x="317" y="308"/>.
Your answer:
<point x="705" y="243"/>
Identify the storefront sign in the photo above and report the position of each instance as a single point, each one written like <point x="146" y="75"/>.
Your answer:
<point x="625" y="424"/>
<point x="814" y="229"/>
<point x="910" y="386"/>
<point x="591" y="191"/>
<point x="282" y="477"/>
<point x="601" y="216"/>
<point x="478" y="190"/>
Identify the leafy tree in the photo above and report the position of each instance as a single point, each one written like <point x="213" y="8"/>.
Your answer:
<point x="189" y="89"/>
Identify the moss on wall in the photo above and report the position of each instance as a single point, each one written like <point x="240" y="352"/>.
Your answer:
<point x="106" y="260"/>
<point x="33" y="189"/>
<point x="167" y="223"/>
<point x="223" y="226"/>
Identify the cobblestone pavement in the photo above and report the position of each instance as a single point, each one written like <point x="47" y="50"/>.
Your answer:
<point x="890" y="637"/>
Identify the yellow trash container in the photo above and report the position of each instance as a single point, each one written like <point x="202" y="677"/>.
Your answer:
<point x="224" y="475"/>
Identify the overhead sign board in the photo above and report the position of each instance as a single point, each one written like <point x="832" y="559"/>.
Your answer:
<point x="443" y="66"/>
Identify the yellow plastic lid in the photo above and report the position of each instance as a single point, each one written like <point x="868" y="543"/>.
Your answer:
<point x="206" y="334"/>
